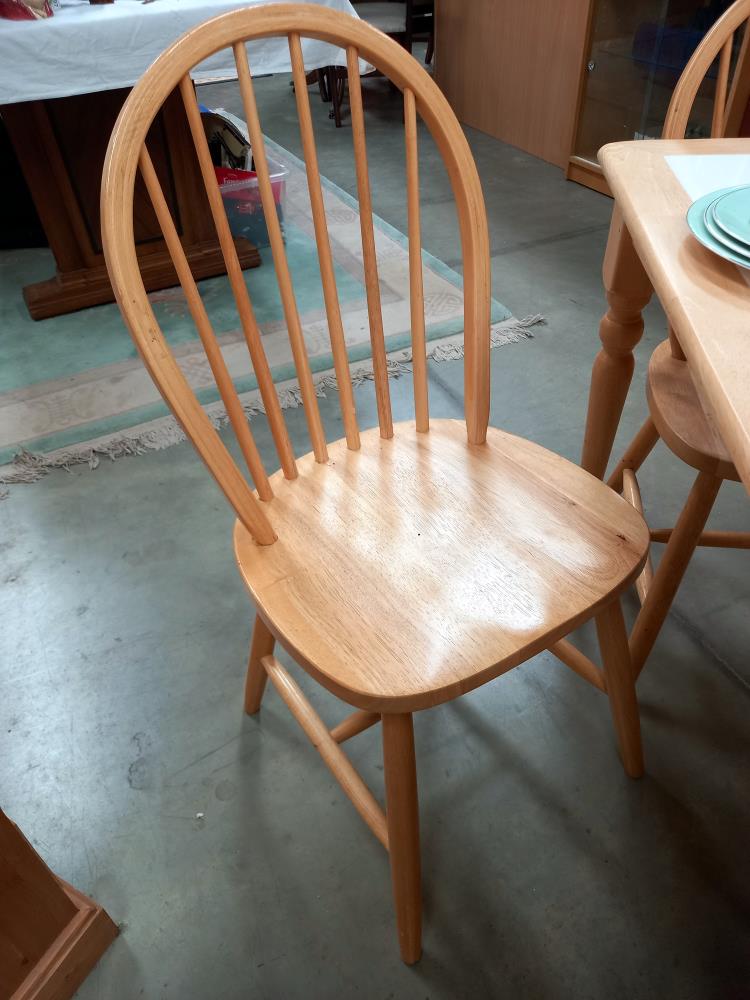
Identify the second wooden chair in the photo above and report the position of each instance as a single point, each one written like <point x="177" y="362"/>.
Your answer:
<point x="676" y="415"/>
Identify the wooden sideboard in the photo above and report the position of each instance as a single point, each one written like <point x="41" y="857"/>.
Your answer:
<point x="513" y="69"/>
<point x="561" y="78"/>
<point x="60" y="145"/>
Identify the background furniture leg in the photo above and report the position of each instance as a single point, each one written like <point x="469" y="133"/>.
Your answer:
<point x="402" y="813"/>
<point x="336" y="80"/>
<point x="324" y="83"/>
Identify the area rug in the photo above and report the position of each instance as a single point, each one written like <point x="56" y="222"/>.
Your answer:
<point x="73" y="387"/>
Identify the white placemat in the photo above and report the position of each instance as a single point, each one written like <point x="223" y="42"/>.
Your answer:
<point x="700" y="175"/>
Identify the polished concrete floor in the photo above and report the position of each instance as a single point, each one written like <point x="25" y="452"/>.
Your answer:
<point x="222" y="846"/>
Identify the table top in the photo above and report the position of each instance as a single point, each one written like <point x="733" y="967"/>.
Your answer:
<point x="84" y="48"/>
<point x="707" y="299"/>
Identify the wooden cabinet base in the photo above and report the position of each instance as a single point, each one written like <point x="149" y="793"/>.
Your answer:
<point x="90" y="286"/>
<point x="583" y="171"/>
<point x="60" y="145"/>
<point x="72" y="955"/>
<point x="51" y="935"/>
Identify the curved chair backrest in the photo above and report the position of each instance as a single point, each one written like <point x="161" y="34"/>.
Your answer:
<point x="127" y="154"/>
<point x="718" y="42"/>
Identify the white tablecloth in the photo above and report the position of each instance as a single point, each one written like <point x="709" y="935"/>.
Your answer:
<point x="87" y="47"/>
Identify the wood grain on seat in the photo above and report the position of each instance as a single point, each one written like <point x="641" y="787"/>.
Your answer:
<point x="418" y="567"/>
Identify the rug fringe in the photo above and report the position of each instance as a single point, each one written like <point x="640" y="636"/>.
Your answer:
<point x="30" y="467"/>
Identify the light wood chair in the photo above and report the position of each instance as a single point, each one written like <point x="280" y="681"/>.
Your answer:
<point x="403" y="565"/>
<point x="676" y="415"/>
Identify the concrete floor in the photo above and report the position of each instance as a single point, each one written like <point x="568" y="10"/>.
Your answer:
<point x="221" y="844"/>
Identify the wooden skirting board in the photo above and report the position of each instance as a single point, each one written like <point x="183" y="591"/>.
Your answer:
<point x="51" y="935"/>
<point x="589" y="174"/>
<point x="68" y="291"/>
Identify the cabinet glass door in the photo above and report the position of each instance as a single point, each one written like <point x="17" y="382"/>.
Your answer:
<point x="638" y="50"/>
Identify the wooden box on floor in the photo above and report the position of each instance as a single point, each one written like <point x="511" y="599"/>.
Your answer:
<point x="51" y="935"/>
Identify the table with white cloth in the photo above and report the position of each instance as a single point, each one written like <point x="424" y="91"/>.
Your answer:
<point x="63" y="81"/>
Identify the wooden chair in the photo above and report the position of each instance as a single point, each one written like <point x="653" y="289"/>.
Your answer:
<point x="403" y="565"/>
<point x="675" y="411"/>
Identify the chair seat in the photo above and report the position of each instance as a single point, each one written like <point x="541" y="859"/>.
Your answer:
<point x="389" y="18"/>
<point x="417" y="568"/>
<point x="680" y="418"/>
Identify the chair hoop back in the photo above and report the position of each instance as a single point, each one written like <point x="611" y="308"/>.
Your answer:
<point x="730" y="98"/>
<point x="128" y="153"/>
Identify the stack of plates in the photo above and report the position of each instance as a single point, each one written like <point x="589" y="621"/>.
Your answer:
<point x="721" y="221"/>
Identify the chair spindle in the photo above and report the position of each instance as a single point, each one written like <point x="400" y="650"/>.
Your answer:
<point x="740" y="86"/>
<point x="215" y="358"/>
<point x="369" y="257"/>
<point x="239" y="289"/>
<point x="416" y="288"/>
<point x="280" y="263"/>
<point x="722" y="86"/>
<point x="327" y="272"/>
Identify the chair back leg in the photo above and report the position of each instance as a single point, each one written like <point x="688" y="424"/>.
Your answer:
<point x="618" y="671"/>
<point x="635" y="454"/>
<point x="671" y="569"/>
<point x="255" y="683"/>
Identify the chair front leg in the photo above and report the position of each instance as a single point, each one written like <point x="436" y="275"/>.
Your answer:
<point x="402" y="813"/>
<point x="620" y="677"/>
<point x="255" y="683"/>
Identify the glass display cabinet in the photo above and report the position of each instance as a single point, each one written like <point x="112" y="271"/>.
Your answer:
<point x="636" y="51"/>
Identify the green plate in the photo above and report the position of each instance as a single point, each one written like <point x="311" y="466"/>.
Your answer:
<point x="732" y="213"/>
<point x="697" y="223"/>
<point x="724" y="238"/>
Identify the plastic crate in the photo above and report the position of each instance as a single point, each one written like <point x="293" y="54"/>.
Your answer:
<point x="241" y="194"/>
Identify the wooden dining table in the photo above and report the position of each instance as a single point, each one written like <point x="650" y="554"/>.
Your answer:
<point x="706" y="299"/>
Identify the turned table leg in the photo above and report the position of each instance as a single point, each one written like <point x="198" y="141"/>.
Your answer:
<point x="628" y="290"/>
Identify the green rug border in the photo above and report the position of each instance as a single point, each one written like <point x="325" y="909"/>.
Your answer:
<point x="281" y="373"/>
